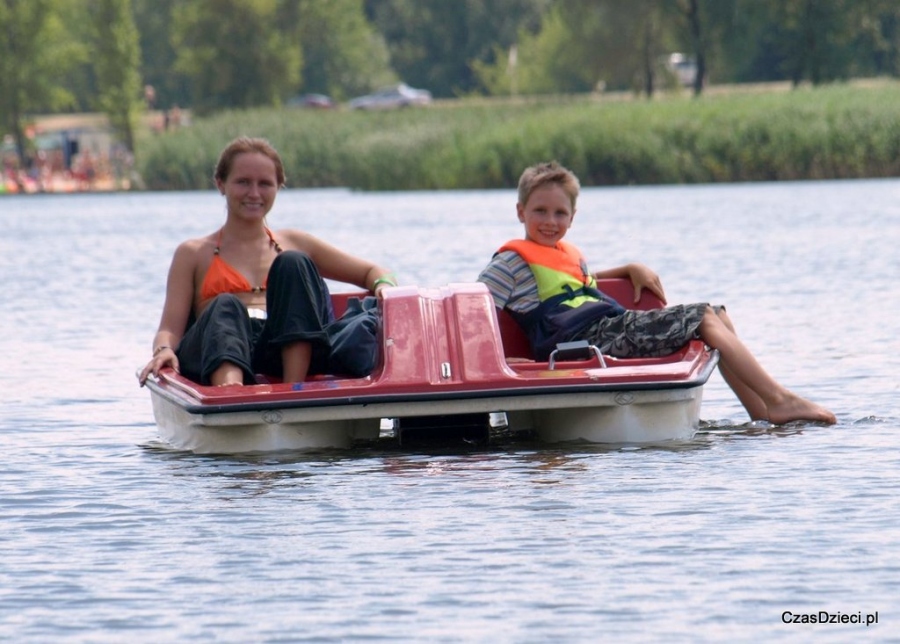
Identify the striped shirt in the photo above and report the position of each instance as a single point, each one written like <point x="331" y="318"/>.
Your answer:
<point x="511" y="282"/>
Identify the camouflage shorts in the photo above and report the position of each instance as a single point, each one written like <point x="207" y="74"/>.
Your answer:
<point x="644" y="334"/>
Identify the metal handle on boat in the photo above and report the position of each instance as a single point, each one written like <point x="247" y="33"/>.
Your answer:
<point x="578" y="350"/>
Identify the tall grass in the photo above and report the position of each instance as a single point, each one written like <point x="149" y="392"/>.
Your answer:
<point x="822" y="133"/>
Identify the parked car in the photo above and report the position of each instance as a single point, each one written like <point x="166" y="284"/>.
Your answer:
<point x="315" y="101"/>
<point x="683" y="67"/>
<point x="401" y="95"/>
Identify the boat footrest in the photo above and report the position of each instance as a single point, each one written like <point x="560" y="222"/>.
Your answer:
<point x="577" y="350"/>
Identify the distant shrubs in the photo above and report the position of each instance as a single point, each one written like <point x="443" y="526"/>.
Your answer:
<point x="823" y="133"/>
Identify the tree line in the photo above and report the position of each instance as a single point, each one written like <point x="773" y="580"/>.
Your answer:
<point x="212" y="55"/>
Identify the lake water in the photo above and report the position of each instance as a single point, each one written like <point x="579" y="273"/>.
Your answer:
<point x="107" y="536"/>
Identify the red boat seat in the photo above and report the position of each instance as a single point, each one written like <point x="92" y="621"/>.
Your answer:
<point x="339" y="300"/>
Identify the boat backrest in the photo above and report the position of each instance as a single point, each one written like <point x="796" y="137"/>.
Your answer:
<point x="442" y="336"/>
<point x="515" y="342"/>
<point x="339" y="301"/>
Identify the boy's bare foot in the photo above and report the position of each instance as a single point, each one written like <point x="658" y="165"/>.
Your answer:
<point x="793" y="407"/>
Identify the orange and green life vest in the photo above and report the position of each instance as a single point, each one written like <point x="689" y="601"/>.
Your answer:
<point x="568" y="294"/>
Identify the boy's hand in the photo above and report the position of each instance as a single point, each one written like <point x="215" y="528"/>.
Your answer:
<point x="642" y="277"/>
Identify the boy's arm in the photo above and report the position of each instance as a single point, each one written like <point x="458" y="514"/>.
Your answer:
<point x="641" y="277"/>
<point x="499" y="280"/>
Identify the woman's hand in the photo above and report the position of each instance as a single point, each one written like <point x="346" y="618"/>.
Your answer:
<point x="385" y="280"/>
<point x="163" y="357"/>
<point x="643" y="277"/>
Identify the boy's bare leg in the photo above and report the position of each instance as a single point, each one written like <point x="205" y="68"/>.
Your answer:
<point x="751" y="402"/>
<point x="782" y="406"/>
<point x="295" y="358"/>
<point x="749" y="399"/>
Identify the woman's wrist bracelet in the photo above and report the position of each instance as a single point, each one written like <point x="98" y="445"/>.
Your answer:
<point x="384" y="279"/>
<point x="160" y="348"/>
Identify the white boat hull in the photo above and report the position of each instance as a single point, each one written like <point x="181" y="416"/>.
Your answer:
<point x="622" y="417"/>
<point x="673" y="416"/>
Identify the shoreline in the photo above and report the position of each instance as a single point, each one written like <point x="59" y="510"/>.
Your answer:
<point x="62" y="183"/>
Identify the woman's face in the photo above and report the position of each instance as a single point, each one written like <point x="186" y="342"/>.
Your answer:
<point x="251" y="186"/>
<point x="547" y="215"/>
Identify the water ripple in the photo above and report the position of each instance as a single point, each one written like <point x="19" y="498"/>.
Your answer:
<point x="109" y="535"/>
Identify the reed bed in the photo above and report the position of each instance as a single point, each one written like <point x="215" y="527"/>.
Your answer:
<point x="832" y="132"/>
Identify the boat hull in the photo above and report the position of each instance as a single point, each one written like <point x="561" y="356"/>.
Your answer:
<point x="632" y="418"/>
<point x="248" y="432"/>
<point x="444" y="356"/>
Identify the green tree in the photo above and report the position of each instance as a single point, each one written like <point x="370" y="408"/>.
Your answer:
<point x="234" y="52"/>
<point x="154" y="21"/>
<point x="343" y="55"/>
<point x="438" y="44"/>
<point x="807" y="40"/>
<point x="691" y="10"/>
<point x="116" y="64"/>
<point x="886" y="38"/>
<point x="549" y="61"/>
<point x="627" y="42"/>
<point x="583" y="44"/>
<point x="703" y="27"/>
<point x="706" y="26"/>
<point x="35" y="54"/>
<point x="816" y="36"/>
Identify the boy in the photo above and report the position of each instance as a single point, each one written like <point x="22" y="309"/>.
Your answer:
<point x="545" y="285"/>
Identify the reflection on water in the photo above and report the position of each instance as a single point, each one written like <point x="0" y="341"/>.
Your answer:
<point x="110" y="535"/>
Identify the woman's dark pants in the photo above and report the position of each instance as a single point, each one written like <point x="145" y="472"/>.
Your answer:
<point x="299" y="310"/>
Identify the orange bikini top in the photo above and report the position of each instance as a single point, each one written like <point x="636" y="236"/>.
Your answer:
<point x="222" y="277"/>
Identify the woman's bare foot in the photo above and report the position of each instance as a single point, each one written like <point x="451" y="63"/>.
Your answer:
<point x="793" y="407"/>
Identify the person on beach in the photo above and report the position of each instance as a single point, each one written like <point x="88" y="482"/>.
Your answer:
<point x="245" y="300"/>
<point x="544" y="283"/>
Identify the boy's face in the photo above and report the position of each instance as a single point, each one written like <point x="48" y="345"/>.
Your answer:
<point x="547" y="214"/>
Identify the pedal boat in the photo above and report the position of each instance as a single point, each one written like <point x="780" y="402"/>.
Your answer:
<point x="448" y="361"/>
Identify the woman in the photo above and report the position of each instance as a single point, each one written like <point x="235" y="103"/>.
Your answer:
<point x="246" y="300"/>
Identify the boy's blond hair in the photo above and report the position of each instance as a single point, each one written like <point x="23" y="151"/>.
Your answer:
<point x="549" y="172"/>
